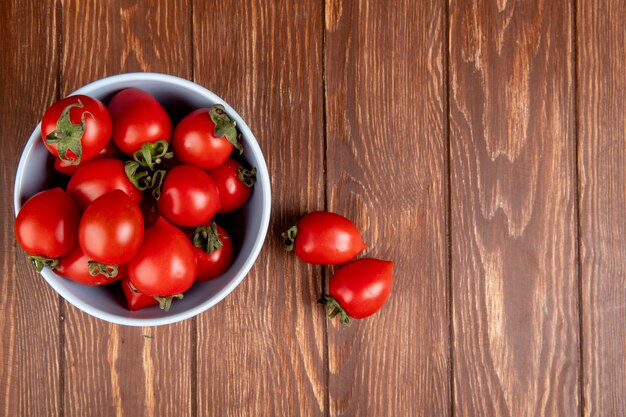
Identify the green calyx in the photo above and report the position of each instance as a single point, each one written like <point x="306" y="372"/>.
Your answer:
<point x="166" y="302"/>
<point x="68" y="136"/>
<point x="152" y="153"/>
<point x="247" y="176"/>
<point x="97" y="268"/>
<point x="224" y="126"/>
<point x="289" y="238"/>
<point x="207" y="238"/>
<point x="335" y="308"/>
<point x="41" y="261"/>
<point x="142" y="172"/>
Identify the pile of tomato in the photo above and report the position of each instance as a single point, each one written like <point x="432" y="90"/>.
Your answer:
<point x="141" y="196"/>
<point x="358" y="289"/>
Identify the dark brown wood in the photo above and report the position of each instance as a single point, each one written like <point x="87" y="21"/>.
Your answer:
<point x="513" y="216"/>
<point x="29" y="308"/>
<point x="387" y="171"/>
<point x="110" y="369"/>
<point x="261" y="350"/>
<point x="601" y="127"/>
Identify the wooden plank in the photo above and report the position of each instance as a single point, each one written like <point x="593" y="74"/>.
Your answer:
<point x="114" y="370"/>
<point x="387" y="171"/>
<point x="513" y="199"/>
<point x="261" y="350"/>
<point x="602" y="122"/>
<point x="29" y="308"/>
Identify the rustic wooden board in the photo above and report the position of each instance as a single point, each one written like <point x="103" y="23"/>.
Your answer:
<point x="29" y="308"/>
<point x="386" y="155"/>
<point x="261" y="351"/>
<point x="513" y="206"/>
<point x="601" y="126"/>
<point x="110" y="369"/>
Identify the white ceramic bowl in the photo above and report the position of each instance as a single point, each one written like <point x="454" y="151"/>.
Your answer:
<point x="35" y="173"/>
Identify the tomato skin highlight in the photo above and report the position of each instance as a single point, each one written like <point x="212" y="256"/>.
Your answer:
<point x="195" y="143"/>
<point x="97" y="129"/>
<point x="214" y="264"/>
<point x="232" y="190"/>
<point x="111" y="229"/>
<point x="99" y="177"/>
<point x="189" y="196"/>
<point x="134" y="299"/>
<point x="362" y="287"/>
<point x="47" y="224"/>
<point x="165" y="264"/>
<point x="75" y="266"/>
<point x="325" y="238"/>
<point x="137" y="118"/>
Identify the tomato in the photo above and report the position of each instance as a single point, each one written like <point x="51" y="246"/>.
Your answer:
<point x="205" y="138"/>
<point x="189" y="196"/>
<point x="359" y="289"/>
<point x="137" y="118"/>
<point x="111" y="229"/>
<point x="165" y="265"/>
<point x="322" y="237"/>
<point x="46" y="227"/>
<point x="234" y="183"/>
<point x="76" y="128"/>
<point x="64" y="167"/>
<point x="99" y="177"/>
<point x="135" y="299"/>
<point x="75" y="266"/>
<point x="214" y="251"/>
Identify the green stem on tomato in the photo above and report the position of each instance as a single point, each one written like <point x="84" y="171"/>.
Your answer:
<point x="166" y="302"/>
<point x="207" y="238"/>
<point x="152" y="153"/>
<point x="247" y="176"/>
<point x="289" y="238"/>
<point x="41" y="261"/>
<point x="331" y="304"/>
<point x="108" y="270"/>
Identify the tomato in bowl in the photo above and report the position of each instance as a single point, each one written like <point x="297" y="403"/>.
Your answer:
<point x="179" y="97"/>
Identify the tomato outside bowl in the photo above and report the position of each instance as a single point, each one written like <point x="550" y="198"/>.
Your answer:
<point x="36" y="172"/>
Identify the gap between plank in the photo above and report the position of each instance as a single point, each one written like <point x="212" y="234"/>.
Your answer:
<point x="574" y="46"/>
<point x="446" y="66"/>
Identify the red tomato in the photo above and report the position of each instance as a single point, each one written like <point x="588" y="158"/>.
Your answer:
<point x="138" y="118"/>
<point x="75" y="266"/>
<point x="76" y="128"/>
<point x="99" y="177"/>
<point x="205" y="138"/>
<point x="324" y="238"/>
<point x="47" y="226"/>
<point x="111" y="229"/>
<point x="64" y="167"/>
<point x="135" y="299"/>
<point x="214" y="251"/>
<point x="234" y="183"/>
<point x="165" y="265"/>
<point x="189" y="196"/>
<point x="360" y="289"/>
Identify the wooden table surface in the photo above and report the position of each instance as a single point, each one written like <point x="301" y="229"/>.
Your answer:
<point x="478" y="144"/>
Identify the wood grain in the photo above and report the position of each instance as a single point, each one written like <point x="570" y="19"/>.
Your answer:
<point x="113" y="370"/>
<point x="261" y="350"/>
<point x="513" y="199"/>
<point x="29" y="308"/>
<point x="387" y="171"/>
<point x="602" y="123"/>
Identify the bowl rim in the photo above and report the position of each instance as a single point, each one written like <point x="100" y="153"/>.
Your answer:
<point x="263" y="184"/>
